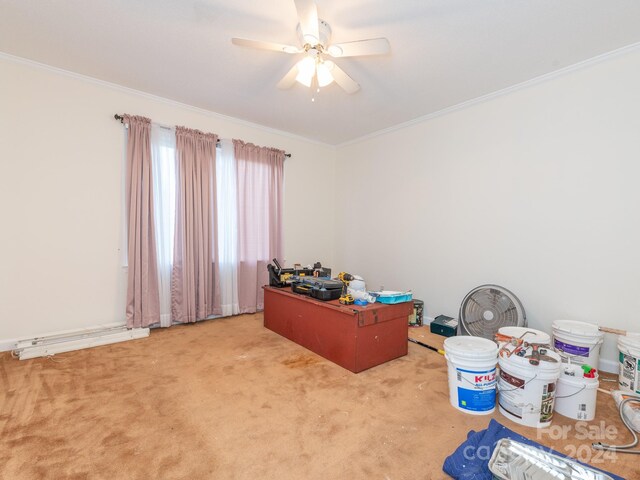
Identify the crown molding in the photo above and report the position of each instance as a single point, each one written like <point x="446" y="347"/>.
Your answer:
<point x="120" y="88"/>
<point x="498" y="93"/>
<point x="424" y="118"/>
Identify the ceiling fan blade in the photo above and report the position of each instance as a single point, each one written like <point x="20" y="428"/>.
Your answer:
<point x="289" y="79"/>
<point x="277" y="47"/>
<point x="347" y="83"/>
<point x="308" y="18"/>
<point x="373" y="46"/>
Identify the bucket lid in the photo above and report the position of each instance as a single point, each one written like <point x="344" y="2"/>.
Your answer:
<point x="471" y="348"/>
<point x="527" y="334"/>
<point x="574" y="374"/>
<point x="576" y="327"/>
<point x="630" y="340"/>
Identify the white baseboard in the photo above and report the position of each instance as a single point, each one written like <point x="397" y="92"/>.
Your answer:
<point x="609" y="366"/>
<point x="47" y="346"/>
<point x="427" y="320"/>
<point x="10" y="344"/>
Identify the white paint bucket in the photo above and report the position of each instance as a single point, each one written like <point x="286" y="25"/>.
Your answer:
<point x="526" y="392"/>
<point x="629" y="377"/>
<point x="529" y="335"/>
<point x="578" y="341"/>
<point x="472" y="373"/>
<point x="576" y="394"/>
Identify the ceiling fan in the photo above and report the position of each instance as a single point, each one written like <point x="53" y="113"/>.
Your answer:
<point x="315" y="34"/>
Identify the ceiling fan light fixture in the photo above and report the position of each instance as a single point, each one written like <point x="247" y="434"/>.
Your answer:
<point x="314" y="38"/>
<point x="306" y="81"/>
<point x="324" y="74"/>
<point x="306" y="71"/>
<point x="307" y="66"/>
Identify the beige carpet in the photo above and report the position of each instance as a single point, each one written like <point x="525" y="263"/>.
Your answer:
<point x="228" y="399"/>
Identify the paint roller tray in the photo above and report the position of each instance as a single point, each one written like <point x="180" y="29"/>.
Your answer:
<point x="390" y="297"/>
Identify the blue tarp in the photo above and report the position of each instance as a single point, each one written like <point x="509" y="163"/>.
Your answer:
<point x="471" y="459"/>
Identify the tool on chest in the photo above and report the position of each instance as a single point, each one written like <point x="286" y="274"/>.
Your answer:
<point x="346" y="298"/>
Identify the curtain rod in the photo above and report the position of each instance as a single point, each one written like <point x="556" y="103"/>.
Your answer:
<point x="121" y="118"/>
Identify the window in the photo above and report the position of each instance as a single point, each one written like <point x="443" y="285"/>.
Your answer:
<point x="203" y="268"/>
<point x="163" y="157"/>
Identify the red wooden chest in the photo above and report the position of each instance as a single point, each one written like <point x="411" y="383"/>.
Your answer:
<point x="354" y="337"/>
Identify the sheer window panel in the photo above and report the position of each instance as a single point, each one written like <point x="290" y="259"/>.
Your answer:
<point x="163" y="157"/>
<point x="227" y="211"/>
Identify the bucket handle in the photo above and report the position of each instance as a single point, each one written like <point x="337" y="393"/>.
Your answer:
<point x="517" y="388"/>
<point x="574" y="393"/>
<point x="599" y="342"/>
<point x="562" y="353"/>
<point x="529" y="405"/>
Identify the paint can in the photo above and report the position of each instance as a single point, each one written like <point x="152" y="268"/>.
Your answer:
<point x="415" y="319"/>
<point x="471" y="363"/>
<point x="576" y="392"/>
<point x="577" y="341"/>
<point x="629" y="377"/>
<point x="526" y="392"/>
<point x="529" y="335"/>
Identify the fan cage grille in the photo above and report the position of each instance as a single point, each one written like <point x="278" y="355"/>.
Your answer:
<point x="488" y="308"/>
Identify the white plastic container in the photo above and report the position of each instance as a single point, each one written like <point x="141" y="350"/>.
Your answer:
<point x="578" y="341"/>
<point x="472" y="373"/>
<point x="629" y="377"/>
<point x="576" y="394"/>
<point x="529" y="335"/>
<point x="526" y="392"/>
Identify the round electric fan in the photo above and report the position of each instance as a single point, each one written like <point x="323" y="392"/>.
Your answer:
<point x="488" y="308"/>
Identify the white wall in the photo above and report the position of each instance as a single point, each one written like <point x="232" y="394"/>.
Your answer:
<point x="536" y="190"/>
<point x="60" y="194"/>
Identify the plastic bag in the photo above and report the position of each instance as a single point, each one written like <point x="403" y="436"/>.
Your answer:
<point x="631" y="410"/>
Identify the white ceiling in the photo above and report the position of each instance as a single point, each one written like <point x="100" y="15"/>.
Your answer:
<point x="443" y="52"/>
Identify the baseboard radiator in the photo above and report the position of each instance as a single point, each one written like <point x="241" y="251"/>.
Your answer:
<point x="76" y="340"/>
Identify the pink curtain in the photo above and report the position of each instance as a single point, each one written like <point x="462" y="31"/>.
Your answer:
<point x="195" y="278"/>
<point x="143" y="300"/>
<point x="260" y="173"/>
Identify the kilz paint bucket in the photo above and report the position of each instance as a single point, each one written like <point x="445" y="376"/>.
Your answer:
<point x="472" y="373"/>
<point x="629" y="377"/>
<point x="578" y="341"/>
<point x="576" y="392"/>
<point x="526" y="392"/>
